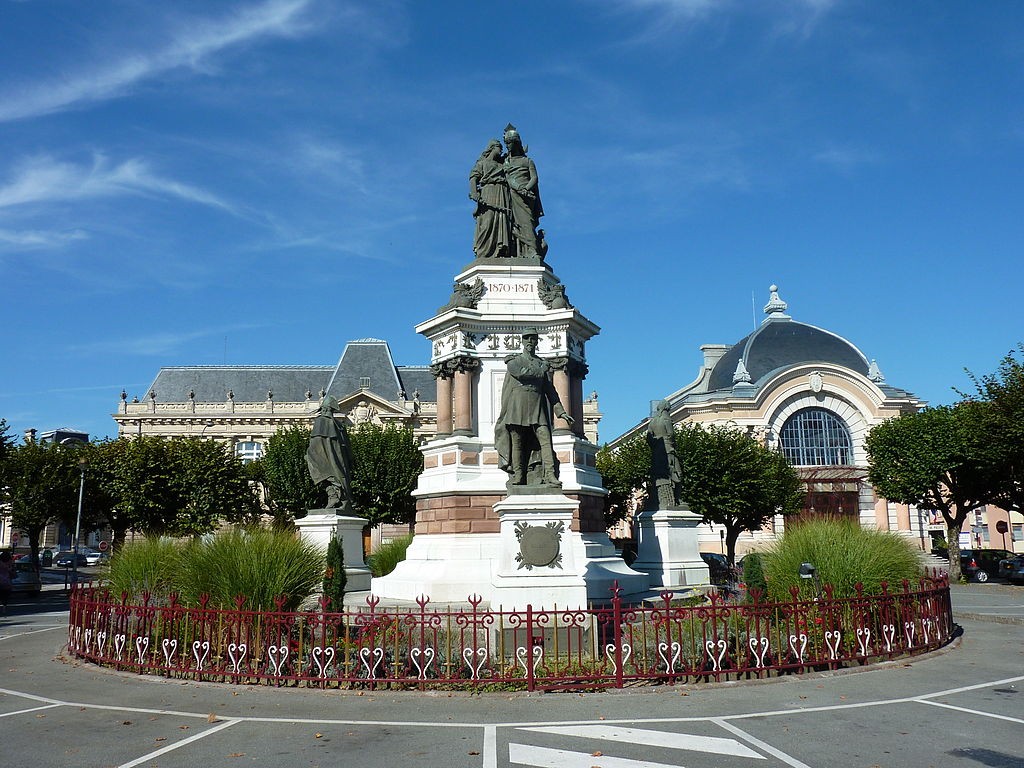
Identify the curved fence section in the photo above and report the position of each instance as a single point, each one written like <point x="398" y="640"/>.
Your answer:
<point x="667" y="641"/>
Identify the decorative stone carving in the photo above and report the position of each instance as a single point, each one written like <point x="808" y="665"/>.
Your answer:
<point x="329" y="457"/>
<point x="521" y="176"/>
<point x="553" y="296"/>
<point x="666" y="469"/>
<point x="465" y="295"/>
<point x="539" y="545"/>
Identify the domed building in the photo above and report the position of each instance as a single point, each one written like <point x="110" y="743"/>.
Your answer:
<point x="812" y="395"/>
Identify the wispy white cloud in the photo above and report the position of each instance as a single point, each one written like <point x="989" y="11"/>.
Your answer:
<point x="785" y="17"/>
<point x="845" y="158"/>
<point x="190" y="47"/>
<point x="33" y="238"/>
<point x="159" y="344"/>
<point x="44" y="179"/>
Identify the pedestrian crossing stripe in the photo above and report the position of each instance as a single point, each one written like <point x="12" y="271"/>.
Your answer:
<point x="687" y="741"/>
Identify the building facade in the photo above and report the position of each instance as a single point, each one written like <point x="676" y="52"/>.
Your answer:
<point x="814" y="396"/>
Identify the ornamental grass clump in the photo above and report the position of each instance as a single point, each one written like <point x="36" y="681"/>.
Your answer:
<point x="146" y="565"/>
<point x="387" y="556"/>
<point x="844" y="554"/>
<point x="258" y="563"/>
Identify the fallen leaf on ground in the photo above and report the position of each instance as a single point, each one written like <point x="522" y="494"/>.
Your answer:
<point x="597" y="753"/>
<point x="211" y="718"/>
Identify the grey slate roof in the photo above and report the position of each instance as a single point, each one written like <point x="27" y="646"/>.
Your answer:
<point x="363" y="359"/>
<point x="780" y="342"/>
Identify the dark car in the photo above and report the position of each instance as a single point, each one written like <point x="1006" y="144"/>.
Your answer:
<point x="1012" y="569"/>
<point x="67" y="559"/>
<point x="718" y="568"/>
<point x="982" y="564"/>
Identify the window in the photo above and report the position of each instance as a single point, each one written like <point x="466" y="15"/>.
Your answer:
<point x="248" y="451"/>
<point x="364" y="382"/>
<point x="815" y="437"/>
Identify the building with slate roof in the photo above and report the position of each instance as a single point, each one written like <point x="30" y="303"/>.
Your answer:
<point x="243" y="405"/>
<point x="812" y="395"/>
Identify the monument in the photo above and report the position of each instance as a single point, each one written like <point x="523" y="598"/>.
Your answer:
<point x="667" y="546"/>
<point x="509" y="504"/>
<point x="329" y="460"/>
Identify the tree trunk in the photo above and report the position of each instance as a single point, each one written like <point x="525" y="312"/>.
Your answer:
<point x="953" y="549"/>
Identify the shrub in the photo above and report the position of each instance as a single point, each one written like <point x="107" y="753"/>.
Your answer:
<point x="753" y="571"/>
<point x="146" y="565"/>
<point x="258" y="563"/>
<point x="386" y="557"/>
<point x="843" y="553"/>
<point x="334" y="575"/>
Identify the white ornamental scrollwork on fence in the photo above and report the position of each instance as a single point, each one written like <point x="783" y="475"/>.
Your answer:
<point x="888" y="636"/>
<point x="236" y="655"/>
<point x="119" y="641"/>
<point x="169" y="647"/>
<point x="909" y="630"/>
<point x="323" y="658"/>
<point x="716" y="653"/>
<point x="832" y="640"/>
<point x="421" y="659"/>
<point x="204" y="647"/>
<point x="627" y="651"/>
<point x="141" y="647"/>
<point x="759" y="648"/>
<point x="863" y="638"/>
<point x="277" y="655"/>
<point x="475" y="665"/>
<point x="670" y="662"/>
<point x="521" y="653"/>
<point x="88" y="639"/>
<point x="101" y="641"/>
<point x="926" y="628"/>
<point x="798" y="645"/>
<point x="374" y="654"/>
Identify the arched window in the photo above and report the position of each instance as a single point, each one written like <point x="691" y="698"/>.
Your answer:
<point x="815" y="437"/>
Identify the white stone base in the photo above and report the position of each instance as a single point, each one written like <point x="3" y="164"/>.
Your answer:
<point x="667" y="548"/>
<point x="319" y="526"/>
<point x="448" y="568"/>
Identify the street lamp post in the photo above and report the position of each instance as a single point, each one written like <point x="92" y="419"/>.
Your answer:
<point x="82" y="464"/>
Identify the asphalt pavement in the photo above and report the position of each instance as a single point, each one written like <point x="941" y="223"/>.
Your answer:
<point x="961" y="706"/>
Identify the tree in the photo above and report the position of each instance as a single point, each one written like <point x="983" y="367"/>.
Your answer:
<point x="385" y="466"/>
<point x="936" y="459"/>
<point x="39" y="482"/>
<point x="1003" y="428"/>
<point x="208" y="483"/>
<point x="625" y="472"/>
<point x="6" y="440"/>
<point x="731" y="479"/>
<point x="287" y="488"/>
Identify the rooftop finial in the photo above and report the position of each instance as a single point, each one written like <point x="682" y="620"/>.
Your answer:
<point x="775" y="307"/>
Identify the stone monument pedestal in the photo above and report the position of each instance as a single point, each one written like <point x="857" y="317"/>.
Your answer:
<point x="319" y="526"/>
<point x="667" y="548"/>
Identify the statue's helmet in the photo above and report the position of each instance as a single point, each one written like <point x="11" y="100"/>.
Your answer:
<point x="531" y="331"/>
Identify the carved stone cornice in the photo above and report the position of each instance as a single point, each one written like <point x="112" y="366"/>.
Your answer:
<point x="465" y="364"/>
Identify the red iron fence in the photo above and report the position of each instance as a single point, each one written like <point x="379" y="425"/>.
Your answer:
<point x="472" y="647"/>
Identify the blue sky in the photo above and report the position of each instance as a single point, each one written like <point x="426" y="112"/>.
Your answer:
<point x="195" y="183"/>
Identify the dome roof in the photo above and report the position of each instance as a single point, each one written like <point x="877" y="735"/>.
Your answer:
<point x="780" y="342"/>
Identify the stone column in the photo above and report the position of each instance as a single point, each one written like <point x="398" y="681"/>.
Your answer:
<point x="560" y="380"/>
<point x="444" y="398"/>
<point x="577" y="373"/>
<point x="465" y="367"/>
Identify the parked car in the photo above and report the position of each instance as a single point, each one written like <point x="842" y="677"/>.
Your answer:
<point x="1012" y="569"/>
<point x="26" y="578"/>
<point x="718" y="568"/>
<point x="981" y="564"/>
<point x="67" y="559"/>
<point x="92" y="556"/>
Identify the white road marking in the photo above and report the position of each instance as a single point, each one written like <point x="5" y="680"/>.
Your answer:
<point x="650" y="738"/>
<point x="965" y="710"/>
<point x="542" y="757"/>
<point x="26" y="711"/>
<point x="490" y="749"/>
<point x="32" y="632"/>
<point x="176" y="745"/>
<point x="787" y="759"/>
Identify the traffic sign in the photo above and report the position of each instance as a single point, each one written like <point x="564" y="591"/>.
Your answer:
<point x="104" y="546"/>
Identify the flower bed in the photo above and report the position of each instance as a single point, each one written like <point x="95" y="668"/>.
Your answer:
<point x="473" y="647"/>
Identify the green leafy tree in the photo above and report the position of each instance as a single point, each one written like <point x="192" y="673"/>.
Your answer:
<point x="625" y="472"/>
<point x="40" y="483"/>
<point x="936" y="459"/>
<point x="731" y="479"/>
<point x="288" y="489"/>
<point x="386" y="464"/>
<point x="208" y="484"/>
<point x="1003" y="428"/>
<point x="6" y="440"/>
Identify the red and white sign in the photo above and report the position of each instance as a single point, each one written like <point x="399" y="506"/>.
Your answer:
<point x="104" y="546"/>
